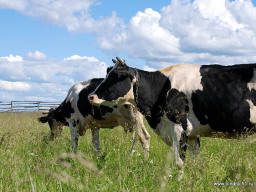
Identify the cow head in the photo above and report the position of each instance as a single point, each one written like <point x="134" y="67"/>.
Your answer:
<point x="56" y="127"/>
<point x="117" y="87"/>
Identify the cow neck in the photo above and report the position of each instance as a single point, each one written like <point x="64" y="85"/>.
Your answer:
<point x="149" y="89"/>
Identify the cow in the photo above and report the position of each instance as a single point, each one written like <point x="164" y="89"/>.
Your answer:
<point x="184" y="102"/>
<point x="77" y="113"/>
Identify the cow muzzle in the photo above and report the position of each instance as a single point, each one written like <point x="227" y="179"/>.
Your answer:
<point x="93" y="98"/>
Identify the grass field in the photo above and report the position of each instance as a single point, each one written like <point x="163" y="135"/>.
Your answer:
<point x="30" y="162"/>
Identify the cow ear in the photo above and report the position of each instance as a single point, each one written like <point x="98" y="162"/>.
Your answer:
<point x="43" y="119"/>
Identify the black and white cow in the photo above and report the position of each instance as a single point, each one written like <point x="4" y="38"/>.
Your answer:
<point x="183" y="102"/>
<point x="77" y="113"/>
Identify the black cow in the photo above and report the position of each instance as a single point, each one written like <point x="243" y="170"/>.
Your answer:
<point x="77" y="113"/>
<point x="183" y="102"/>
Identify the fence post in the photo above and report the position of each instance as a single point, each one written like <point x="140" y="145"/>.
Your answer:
<point x="11" y="106"/>
<point x="38" y="106"/>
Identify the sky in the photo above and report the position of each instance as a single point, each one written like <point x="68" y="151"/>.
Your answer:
<point x="46" y="46"/>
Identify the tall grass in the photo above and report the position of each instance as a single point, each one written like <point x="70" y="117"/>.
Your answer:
<point x="30" y="162"/>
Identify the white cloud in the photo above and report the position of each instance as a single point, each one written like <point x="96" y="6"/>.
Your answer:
<point x="244" y="12"/>
<point x="18" y="5"/>
<point x="217" y="10"/>
<point x="199" y="31"/>
<point x="72" y="14"/>
<point x="209" y="29"/>
<point x="202" y="32"/>
<point x="142" y="37"/>
<point x="12" y="58"/>
<point x="77" y="57"/>
<point x="37" y="55"/>
<point x="147" y="68"/>
<point x="35" y="75"/>
<point x="18" y="86"/>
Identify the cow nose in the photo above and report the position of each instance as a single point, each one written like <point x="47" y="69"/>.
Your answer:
<point x="91" y="97"/>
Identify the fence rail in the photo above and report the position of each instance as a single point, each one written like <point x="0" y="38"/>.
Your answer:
<point x="18" y="106"/>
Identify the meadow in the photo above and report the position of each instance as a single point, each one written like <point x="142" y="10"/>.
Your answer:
<point x="30" y="162"/>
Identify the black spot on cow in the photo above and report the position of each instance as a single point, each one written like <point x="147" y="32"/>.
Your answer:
<point x="177" y="107"/>
<point x="157" y="98"/>
<point x="67" y="109"/>
<point x="151" y="96"/>
<point x="63" y="111"/>
<point x="223" y="101"/>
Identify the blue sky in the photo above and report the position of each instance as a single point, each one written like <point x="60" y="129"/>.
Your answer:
<point x="21" y="33"/>
<point x="46" y="46"/>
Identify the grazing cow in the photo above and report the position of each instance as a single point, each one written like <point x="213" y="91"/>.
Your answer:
<point x="77" y="113"/>
<point x="183" y="102"/>
<point x="55" y="126"/>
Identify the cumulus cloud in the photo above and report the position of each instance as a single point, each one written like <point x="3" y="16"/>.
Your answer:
<point x="36" y="75"/>
<point x="142" y="37"/>
<point x="37" y="55"/>
<point x="11" y="58"/>
<point x="19" y="86"/>
<point x="200" y="31"/>
<point x="210" y="29"/>
<point x="72" y="14"/>
<point x="147" y="68"/>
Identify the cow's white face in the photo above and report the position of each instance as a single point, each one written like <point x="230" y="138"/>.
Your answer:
<point x="116" y="88"/>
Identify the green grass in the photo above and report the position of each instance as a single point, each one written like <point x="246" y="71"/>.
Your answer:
<point x="30" y="162"/>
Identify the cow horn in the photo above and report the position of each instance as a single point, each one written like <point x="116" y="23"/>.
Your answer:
<point x="114" y="61"/>
<point x="120" y="60"/>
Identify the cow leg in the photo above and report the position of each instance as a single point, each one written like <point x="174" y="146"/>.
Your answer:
<point x="74" y="135"/>
<point x="134" y="140"/>
<point x="180" y="139"/>
<point x="143" y="135"/>
<point x="144" y="140"/>
<point x="96" y="140"/>
<point x="183" y="145"/>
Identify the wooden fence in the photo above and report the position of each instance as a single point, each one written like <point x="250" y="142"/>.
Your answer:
<point x="18" y="106"/>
